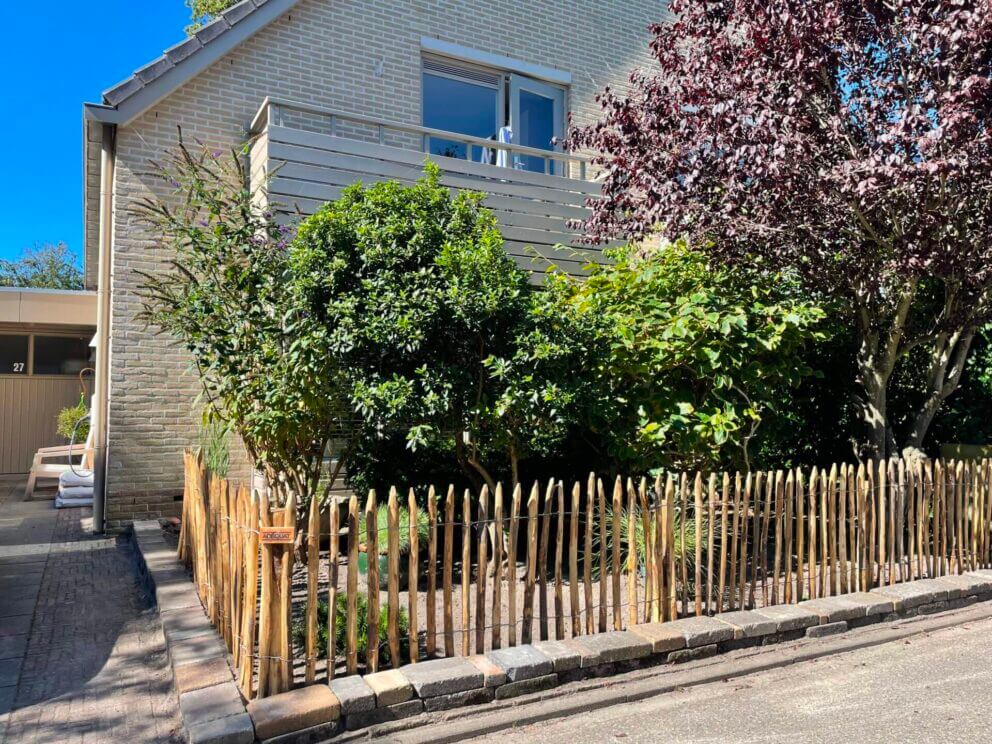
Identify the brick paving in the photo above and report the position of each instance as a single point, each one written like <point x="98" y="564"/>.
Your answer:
<point x="81" y="657"/>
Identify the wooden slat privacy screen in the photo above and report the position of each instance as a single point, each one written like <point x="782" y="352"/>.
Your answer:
<point x="553" y="561"/>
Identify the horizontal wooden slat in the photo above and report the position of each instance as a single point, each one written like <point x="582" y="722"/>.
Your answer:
<point x="344" y="145"/>
<point x="318" y="165"/>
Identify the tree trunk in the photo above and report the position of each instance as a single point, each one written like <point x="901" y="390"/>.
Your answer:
<point x="947" y="362"/>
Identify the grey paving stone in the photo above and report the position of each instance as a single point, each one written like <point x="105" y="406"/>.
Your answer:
<point x="313" y="735"/>
<point x="177" y="597"/>
<point x="390" y="687"/>
<point x="915" y="593"/>
<point x="493" y="675"/>
<point x="443" y="676"/>
<point x="790" y="617"/>
<point x="748" y="624"/>
<point x="382" y="715"/>
<point x="965" y="585"/>
<point x="827" y="629"/>
<point x="196" y="648"/>
<point x="460" y="699"/>
<point x="521" y="662"/>
<point x="210" y="703"/>
<point x="236" y="729"/>
<point x="691" y="654"/>
<point x="703" y="631"/>
<point x="185" y="623"/>
<point x="607" y="648"/>
<point x="834" y="609"/>
<point x="353" y="693"/>
<point x="873" y="602"/>
<point x="662" y="636"/>
<point x="527" y="686"/>
<point x="563" y="656"/>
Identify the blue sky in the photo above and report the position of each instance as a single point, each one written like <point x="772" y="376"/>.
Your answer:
<point x="56" y="56"/>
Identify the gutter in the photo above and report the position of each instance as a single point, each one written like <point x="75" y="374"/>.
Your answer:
<point x="102" y="387"/>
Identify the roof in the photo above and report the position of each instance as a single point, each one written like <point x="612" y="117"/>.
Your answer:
<point x="177" y="65"/>
<point x="23" y="305"/>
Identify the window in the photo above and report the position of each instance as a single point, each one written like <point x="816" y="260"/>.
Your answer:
<point x="14" y="355"/>
<point x="491" y="105"/>
<point x="37" y="354"/>
<point x="456" y="100"/>
<point x="60" y="355"/>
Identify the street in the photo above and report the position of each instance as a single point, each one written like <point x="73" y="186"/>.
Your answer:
<point x="934" y="687"/>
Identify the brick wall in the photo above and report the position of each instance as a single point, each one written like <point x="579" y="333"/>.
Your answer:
<point x="323" y="52"/>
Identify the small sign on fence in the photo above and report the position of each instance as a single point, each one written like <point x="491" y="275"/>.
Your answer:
<point x="277" y="535"/>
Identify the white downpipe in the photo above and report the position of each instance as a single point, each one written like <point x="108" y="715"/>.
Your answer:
<point x="102" y="387"/>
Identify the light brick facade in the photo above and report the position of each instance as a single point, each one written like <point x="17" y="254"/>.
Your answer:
<point x="323" y="52"/>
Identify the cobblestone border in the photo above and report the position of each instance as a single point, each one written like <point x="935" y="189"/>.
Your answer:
<point x="212" y="715"/>
<point x="210" y="703"/>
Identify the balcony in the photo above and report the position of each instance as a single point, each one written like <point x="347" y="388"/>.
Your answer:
<point x="308" y="154"/>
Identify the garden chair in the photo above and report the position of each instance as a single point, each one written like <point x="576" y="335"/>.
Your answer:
<point x="51" y="462"/>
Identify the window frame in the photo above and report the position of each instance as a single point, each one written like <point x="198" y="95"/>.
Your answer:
<point x="507" y="75"/>
<point x="85" y="336"/>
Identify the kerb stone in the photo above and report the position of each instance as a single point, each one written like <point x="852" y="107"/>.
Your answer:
<point x="790" y="617"/>
<point x="607" y="648"/>
<point x="827" y="629"/>
<point x="915" y="593"/>
<point x="662" y="637"/>
<point x="459" y="699"/>
<point x="390" y="687"/>
<point x="521" y="662"/>
<point x="873" y="602"/>
<point x="702" y="631"/>
<point x="200" y="674"/>
<point x="235" y="729"/>
<point x="493" y="675"/>
<point x="210" y="703"/>
<point x="383" y="715"/>
<point x="834" y="609"/>
<point x="564" y="657"/>
<point x="527" y="686"/>
<point x="965" y="585"/>
<point x="353" y="693"/>
<point x="443" y="676"/>
<point x="293" y="711"/>
<point x="747" y="624"/>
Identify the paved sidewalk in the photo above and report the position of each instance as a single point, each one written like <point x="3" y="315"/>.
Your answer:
<point x="81" y="658"/>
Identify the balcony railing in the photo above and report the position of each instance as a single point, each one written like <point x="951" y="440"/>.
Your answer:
<point x="304" y="156"/>
<point x="284" y="113"/>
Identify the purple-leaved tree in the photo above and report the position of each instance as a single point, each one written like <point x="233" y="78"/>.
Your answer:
<point x="848" y="141"/>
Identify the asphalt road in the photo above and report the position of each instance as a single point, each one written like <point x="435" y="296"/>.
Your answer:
<point x="929" y="688"/>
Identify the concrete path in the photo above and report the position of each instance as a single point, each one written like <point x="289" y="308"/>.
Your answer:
<point x="81" y="658"/>
<point x="933" y="687"/>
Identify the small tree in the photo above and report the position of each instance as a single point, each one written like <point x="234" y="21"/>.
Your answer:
<point x="413" y="291"/>
<point x="225" y="294"/>
<point x="47" y="266"/>
<point x="698" y="354"/>
<point x="846" y="141"/>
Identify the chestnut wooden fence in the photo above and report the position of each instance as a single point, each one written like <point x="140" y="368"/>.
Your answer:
<point x="562" y="557"/>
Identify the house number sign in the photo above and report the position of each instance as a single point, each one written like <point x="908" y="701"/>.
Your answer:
<point x="277" y="535"/>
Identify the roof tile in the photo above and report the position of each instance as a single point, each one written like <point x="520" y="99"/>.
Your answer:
<point x="122" y="90"/>
<point x="154" y="69"/>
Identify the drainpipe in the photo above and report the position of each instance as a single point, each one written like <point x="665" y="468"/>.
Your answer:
<point x="102" y="386"/>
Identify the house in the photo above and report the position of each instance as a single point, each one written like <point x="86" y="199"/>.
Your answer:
<point x="333" y="91"/>
<point x="45" y="365"/>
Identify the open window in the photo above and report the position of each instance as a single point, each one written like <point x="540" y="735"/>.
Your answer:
<point x="497" y="105"/>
